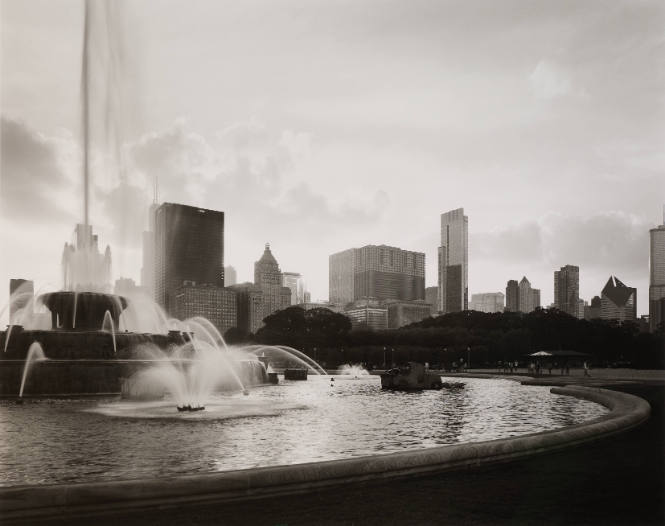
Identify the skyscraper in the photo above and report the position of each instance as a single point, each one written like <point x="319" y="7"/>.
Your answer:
<point x="512" y="296"/>
<point x="249" y="306"/>
<point x="617" y="301"/>
<point x="454" y="262"/>
<point x="520" y="297"/>
<point x="230" y="276"/>
<point x="431" y="297"/>
<point x="296" y="284"/>
<point x="268" y="278"/>
<point x="189" y="249"/>
<point x="148" y="241"/>
<point x="379" y="272"/>
<point x="567" y="289"/>
<point x="657" y="276"/>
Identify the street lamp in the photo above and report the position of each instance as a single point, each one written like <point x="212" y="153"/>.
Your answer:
<point x="384" y="356"/>
<point x="392" y="356"/>
<point x="468" y="357"/>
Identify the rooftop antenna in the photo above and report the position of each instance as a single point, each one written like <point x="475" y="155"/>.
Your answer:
<point x="155" y="193"/>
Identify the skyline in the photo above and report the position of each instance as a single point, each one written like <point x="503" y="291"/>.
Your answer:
<point x="321" y="127"/>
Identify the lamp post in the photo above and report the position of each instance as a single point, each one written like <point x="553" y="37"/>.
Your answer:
<point x="468" y="357"/>
<point x="392" y="356"/>
<point x="384" y="356"/>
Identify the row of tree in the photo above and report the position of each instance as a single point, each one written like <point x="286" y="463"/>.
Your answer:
<point x="489" y="338"/>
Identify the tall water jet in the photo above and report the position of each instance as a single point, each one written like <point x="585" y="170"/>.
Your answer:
<point x="35" y="354"/>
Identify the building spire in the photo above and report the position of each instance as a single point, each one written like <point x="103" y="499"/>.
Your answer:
<point x="155" y="192"/>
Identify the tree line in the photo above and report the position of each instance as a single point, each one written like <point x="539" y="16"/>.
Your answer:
<point x="487" y="338"/>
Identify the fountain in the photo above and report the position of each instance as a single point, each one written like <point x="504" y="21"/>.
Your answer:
<point x="35" y="354"/>
<point x="355" y="370"/>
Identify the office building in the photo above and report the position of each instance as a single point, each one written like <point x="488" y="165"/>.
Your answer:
<point x="567" y="289"/>
<point x="453" y="262"/>
<point x="367" y="314"/>
<point x="296" y="284"/>
<point x="249" y="306"/>
<point x="148" y="243"/>
<point x="657" y="276"/>
<point x="189" y="248"/>
<point x="592" y="311"/>
<point x="512" y="296"/>
<point x="432" y="297"/>
<point x="21" y="293"/>
<point x="487" y="302"/>
<point x="379" y="272"/>
<point x="618" y="301"/>
<point x="216" y="304"/>
<point x="401" y="313"/>
<point x="230" y="276"/>
<point x="268" y="278"/>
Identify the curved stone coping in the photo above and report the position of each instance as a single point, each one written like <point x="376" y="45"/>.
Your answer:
<point x="62" y="500"/>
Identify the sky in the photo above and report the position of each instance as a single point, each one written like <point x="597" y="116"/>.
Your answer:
<point x="322" y="125"/>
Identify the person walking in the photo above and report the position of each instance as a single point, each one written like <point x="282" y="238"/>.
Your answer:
<point x="586" y="369"/>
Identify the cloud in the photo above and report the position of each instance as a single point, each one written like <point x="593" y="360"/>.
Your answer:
<point x="550" y="81"/>
<point x="35" y="174"/>
<point x="609" y="242"/>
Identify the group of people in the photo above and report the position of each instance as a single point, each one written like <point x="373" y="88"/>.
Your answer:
<point x="536" y="368"/>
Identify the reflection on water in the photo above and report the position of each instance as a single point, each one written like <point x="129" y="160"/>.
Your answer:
<point x="52" y="441"/>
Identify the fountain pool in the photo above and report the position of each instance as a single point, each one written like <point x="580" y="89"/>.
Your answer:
<point x="57" y="441"/>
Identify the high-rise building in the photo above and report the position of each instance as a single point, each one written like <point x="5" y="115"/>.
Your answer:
<point x="567" y="289"/>
<point x="431" y="297"/>
<point x="487" y="302"/>
<point x="657" y="276"/>
<point x="520" y="297"/>
<point x="525" y="296"/>
<point x="592" y="311"/>
<point x="148" y="241"/>
<point x="21" y="292"/>
<point x="189" y="247"/>
<point x="268" y="278"/>
<point x="249" y="306"/>
<point x="230" y="276"/>
<point x="401" y="313"/>
<point x="217" y="304"/>
<point x="296" y="284"/>
<point x="618" y="301"/>
<point x="512" y="296"/>
<point x="453" y="275"/>
<point x="367" y="314"/>
<point x="379" y="272"/>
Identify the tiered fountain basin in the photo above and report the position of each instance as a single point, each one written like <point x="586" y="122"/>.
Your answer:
<point x="89" y="353"/>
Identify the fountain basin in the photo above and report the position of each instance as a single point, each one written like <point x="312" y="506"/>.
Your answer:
<point x="33" y="502"/>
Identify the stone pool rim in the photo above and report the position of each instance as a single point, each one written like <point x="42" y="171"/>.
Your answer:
<point x="108" y="497"/>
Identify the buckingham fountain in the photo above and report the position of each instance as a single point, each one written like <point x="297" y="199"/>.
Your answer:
<point x="114" y="393"/>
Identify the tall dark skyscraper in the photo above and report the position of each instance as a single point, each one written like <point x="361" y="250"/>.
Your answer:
<point x="378" y="272"/>
<point x="567" y="289"/>
<point x="189" y="250"/>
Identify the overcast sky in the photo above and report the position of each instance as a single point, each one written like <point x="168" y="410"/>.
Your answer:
<point x="323" y="125"/>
